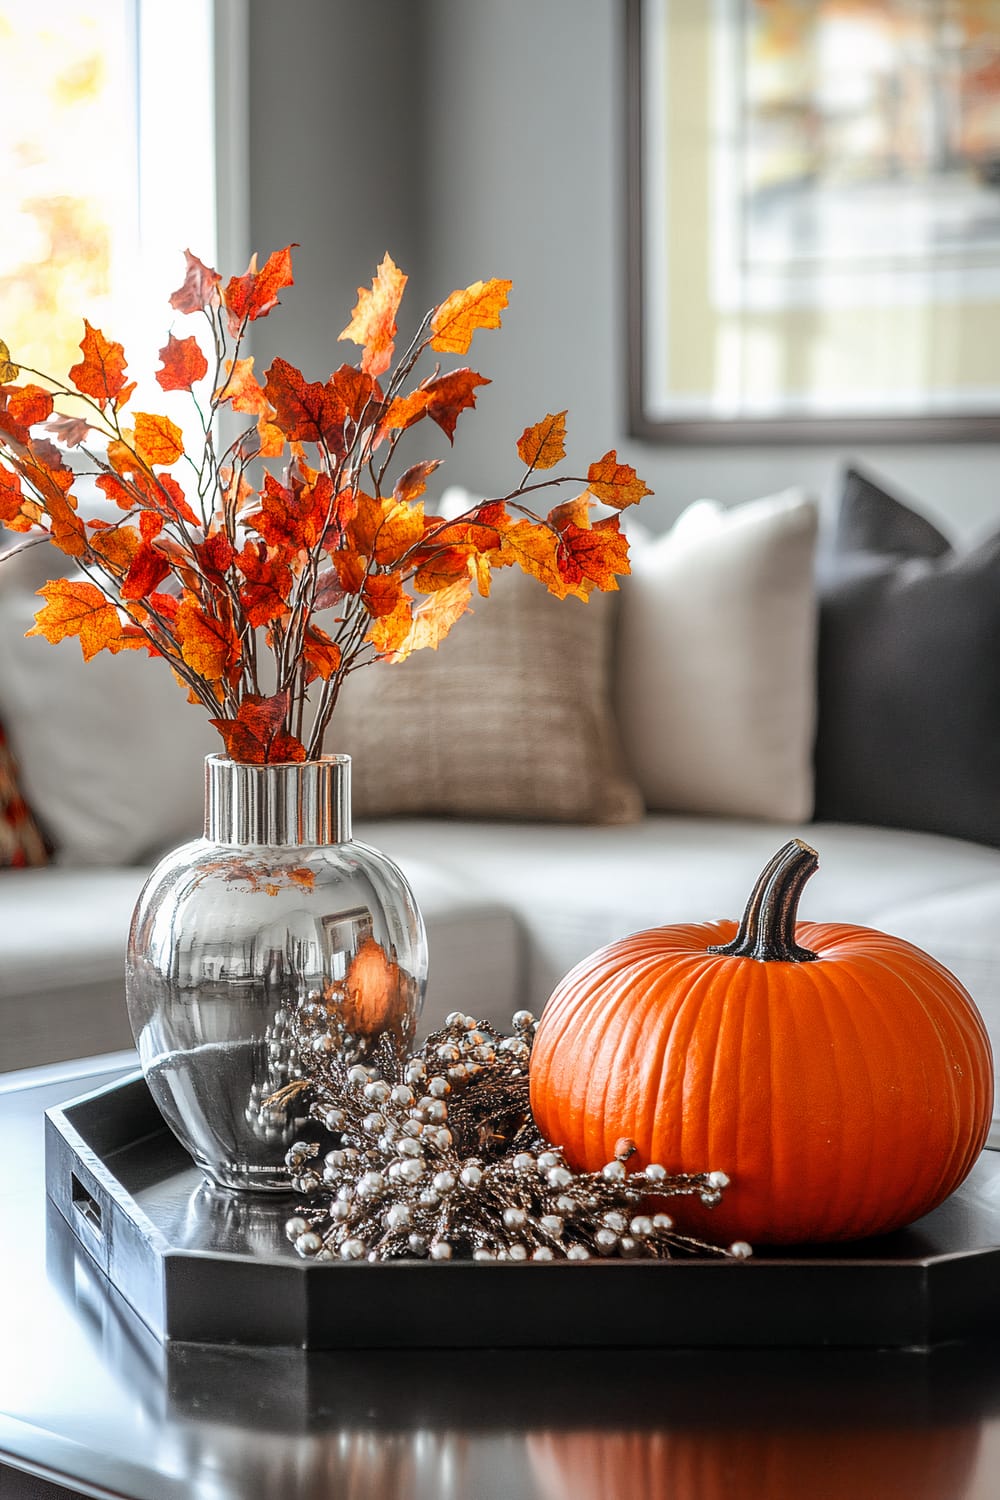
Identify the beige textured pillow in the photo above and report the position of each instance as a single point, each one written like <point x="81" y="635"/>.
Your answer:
<point x="716" y="682"/>
<point x="509" y="718"/>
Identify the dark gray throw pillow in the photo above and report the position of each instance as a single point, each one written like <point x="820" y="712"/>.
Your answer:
<point x="908" y="731"/>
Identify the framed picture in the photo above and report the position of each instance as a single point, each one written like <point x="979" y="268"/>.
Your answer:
<point x="814" y="224"/>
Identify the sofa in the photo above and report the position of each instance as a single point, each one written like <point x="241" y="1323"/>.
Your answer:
<point x="560" y="773"/>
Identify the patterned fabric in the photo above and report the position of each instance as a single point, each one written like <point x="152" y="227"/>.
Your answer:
<point x="21" y="843"/>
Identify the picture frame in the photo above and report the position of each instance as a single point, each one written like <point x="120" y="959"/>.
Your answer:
<point x="813" y="220"/>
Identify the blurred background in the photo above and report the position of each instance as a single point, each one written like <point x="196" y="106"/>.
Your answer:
<point x="470" y="140"/>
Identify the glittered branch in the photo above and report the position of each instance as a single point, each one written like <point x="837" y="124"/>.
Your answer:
<point x="439" y="1157"/>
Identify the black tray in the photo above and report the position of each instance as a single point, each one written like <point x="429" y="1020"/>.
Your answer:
<point x="206" y="1266"/>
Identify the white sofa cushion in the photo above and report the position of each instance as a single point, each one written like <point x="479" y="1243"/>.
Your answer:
<point x="62" y="957"/>
<point x="716" y="660"/>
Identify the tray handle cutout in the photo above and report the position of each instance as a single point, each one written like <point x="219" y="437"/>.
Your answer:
<point x="87" y="1206"/>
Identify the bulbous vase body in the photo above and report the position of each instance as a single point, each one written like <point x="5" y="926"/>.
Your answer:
<point x="276" y="908"/>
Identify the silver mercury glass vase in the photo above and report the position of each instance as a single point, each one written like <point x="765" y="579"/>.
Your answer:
<point x="276" y="908"/>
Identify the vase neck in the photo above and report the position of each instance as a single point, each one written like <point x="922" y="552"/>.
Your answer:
<point x="290" y="803"/>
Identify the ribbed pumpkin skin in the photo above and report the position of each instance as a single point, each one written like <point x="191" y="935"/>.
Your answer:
<point x="843" y="1097"/>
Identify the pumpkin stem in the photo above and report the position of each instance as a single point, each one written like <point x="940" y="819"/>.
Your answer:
<point x="767" y="931"/>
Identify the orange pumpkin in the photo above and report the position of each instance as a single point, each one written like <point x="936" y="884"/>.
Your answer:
<point x="841" y="1078"/>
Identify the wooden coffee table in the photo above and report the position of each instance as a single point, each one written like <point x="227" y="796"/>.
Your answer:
<point x="90" y="1401"/>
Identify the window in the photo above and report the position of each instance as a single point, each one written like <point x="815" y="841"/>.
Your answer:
<point x="107" y="171"/>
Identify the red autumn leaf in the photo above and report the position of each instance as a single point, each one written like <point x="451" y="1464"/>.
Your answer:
<point x="184" y="364"/>
<point x="596" y="553"/>
<point x="29" y="404"/>
<point x="208" y="644"/>
<point x="360" y="393"/>
<point x="11" y="496"/>
<point x="166" y="495"/>
<point x="614" y="483"/>
<point x="328" y="591"/>
<point x="255" y="293"/>
<point x="70" y="431"/>
<point x="544" y="445"/>
<point x="483" y="531"/>
<point x="373" y="322"/>
<point x="101" y="372"/>
<point x="290" y="518"/>
<point x="269" y="583"/>
<point x="215" y="555"/>
<point x="76" y="608"/>
<point x="449" y="395"/>
<point x="149" y="568"/>
<point x="257" y="736"/>
<point x="243" y="390"/>
<point x="412" y="484"/>
<point x="199" y="289"/>
<point x="458" y="317"/>
<point x="150" y="525"/>
<point x="157" y="439"/>
<point x="432" y="621"/>
<point x="306" y="411"/>
<point x="322" y="653"/>
<point x="442" y="399"/>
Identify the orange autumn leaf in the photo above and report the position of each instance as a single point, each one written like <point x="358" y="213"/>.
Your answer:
<point x="614" y="483"/>
<point x="458" y="317"/>
<point x="412" y="484"/>
<point x="29" y="404"/>
<point x="576" y="511"/>
<point x="544" y="445"/>
<point x="116" y="546"/>
<point x="351" y="569"/>
<point x="101" y="372"/>
<point x="255" y="293"/>
<point x="243" y="390"/>
<point x="596" y="553"/>
<point x="373" y="322"/>
<point x="401" y="529"/>
<point x="256" y="736"/>
<point x="200" y="288"/>
<point x="157" y="439"/>
<point x="442" y="569"/>
<point x="270" y="439"/>
<point x="432" y="620"/>
<point x="382" y="593"/>
<point x="208" y="645"/>
<point x="77" y="609"/>
<point x="532" y="547"/>
<point x="322" y="653"/>
<point x="184" y="364"/>
<point x="359" y="392"/>
<point x="52" y="483"/>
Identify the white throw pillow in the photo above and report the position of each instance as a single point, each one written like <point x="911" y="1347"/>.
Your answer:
<point x="111" y="755"/>
<point x="716" y="675"/>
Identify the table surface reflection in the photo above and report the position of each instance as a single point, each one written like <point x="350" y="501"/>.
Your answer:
<point x="88" y="1397"/>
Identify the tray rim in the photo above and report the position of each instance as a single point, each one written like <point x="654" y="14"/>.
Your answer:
<point x="916" y="1279"/>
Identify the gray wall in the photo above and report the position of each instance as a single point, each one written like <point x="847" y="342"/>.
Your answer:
<point x="478" y="138"/>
